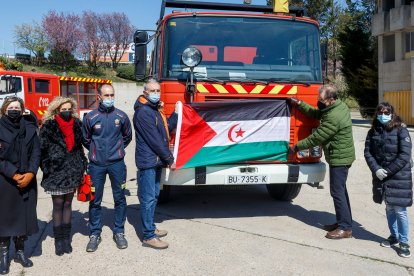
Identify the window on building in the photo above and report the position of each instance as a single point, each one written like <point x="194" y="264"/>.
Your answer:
<point x="387" y="5"/>
<point x="389" y="48"/>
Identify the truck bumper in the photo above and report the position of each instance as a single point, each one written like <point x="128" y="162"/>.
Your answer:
<point x="218" y="175"/>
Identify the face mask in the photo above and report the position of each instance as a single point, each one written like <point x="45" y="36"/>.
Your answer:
<point x="66" y="115"/>
<point x="14" y="114"/>
<point x="321" y="105"/>
<point x="384" y="119"/>
<point x="108" y="103"/>
<point x="154" y="97"/>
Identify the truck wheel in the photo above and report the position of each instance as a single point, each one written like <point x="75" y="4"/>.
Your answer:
<point x="284" y="192"/>
<point x="164" y="194"/>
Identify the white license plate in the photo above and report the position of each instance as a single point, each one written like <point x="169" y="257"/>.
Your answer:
<point x="248" y="179"/>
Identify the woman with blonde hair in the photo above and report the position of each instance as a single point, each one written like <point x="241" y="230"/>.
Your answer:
<point x="19" y="162"/>
<point x="63" y="163"/>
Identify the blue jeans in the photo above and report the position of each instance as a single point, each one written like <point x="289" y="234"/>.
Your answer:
<point x="117" y="175"/>
<point x="398" y="222"/>
<point x="339" y="193"/>
<point x="148" y="192"/>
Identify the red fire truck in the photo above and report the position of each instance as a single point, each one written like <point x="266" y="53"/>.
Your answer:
<point x="38" y="90"/>
<point x="215" y="52"/>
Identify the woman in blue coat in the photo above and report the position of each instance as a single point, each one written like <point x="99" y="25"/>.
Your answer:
<point x="19" y="162"/>
<point x="388" y="155"/>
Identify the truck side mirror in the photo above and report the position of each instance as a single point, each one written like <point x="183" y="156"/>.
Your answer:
<point x="140" y="39"/>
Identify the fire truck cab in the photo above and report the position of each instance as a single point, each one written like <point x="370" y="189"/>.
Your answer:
<point x="223" y="52"/>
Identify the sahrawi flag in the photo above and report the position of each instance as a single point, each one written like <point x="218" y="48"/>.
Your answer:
<point x="225" y="132"/>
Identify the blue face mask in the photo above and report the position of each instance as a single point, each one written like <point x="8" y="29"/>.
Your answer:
<point x="384" y="119"/>
<point x="108" y="103"/>
<point x="154" y="97"/>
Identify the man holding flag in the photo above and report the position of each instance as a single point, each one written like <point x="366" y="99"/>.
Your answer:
<point x="152" y="153"/>
<point x="335" y="135"/>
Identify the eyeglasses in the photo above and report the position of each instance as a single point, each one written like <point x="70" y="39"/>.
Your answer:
<point x="384" y="113"/>
<point x="154" y="90"/>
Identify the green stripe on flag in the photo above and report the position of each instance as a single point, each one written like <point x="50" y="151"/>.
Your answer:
<point x="274" y="150"/>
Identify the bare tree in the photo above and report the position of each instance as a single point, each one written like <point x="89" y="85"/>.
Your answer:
<point x="64" y="33"/>
<point x="92" y="46"/>
<point x="32" y="38"/>
<point x="116" y="33"/>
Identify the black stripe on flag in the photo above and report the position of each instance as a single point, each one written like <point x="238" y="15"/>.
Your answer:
<point x="241" y="110"/>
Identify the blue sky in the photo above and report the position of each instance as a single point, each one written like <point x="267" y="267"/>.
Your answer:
<point x="142" y="13"/>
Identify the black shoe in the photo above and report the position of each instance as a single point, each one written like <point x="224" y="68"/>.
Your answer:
<point x="58" y="233"/>
<point x="67" y="246"/>
<point x="4" y="258"/>
<point x="404" y="250"/>
<point x="59" y="249"/>
<point x="22" y="259"/>
<point x="390" y="241"/>
<point x="120" y="241"/>
<point x="93" y="243"/>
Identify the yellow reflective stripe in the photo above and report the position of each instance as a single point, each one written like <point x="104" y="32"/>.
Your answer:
<point x="239" y="89"/>
<point x="123" y="186"/>
<point x="92" y="189"/>
<point x="201" y="88"/>
<point x="220" y="89"/>
<point x="293" y="90"/>
<point x="276" y="89"/>
<point x="259" y="88"/>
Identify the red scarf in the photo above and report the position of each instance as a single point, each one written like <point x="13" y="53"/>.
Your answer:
<point x="67" y="130"/>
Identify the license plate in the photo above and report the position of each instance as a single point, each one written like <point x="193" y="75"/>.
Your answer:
<point x="248" y="179"/>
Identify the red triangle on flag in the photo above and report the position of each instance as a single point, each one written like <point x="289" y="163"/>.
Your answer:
<point x="194" y="134"/>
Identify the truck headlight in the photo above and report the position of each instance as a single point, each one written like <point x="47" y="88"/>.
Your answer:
<point x="191" y="57"/>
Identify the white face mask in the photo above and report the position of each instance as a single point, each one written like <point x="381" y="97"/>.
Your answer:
<point x="154" y="97"/>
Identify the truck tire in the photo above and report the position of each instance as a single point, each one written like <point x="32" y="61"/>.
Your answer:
<point x="284" y="192"/>
<point x="164" y="195"/>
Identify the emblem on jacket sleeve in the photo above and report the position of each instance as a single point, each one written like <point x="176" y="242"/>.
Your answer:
<point x="117" y="122"/>
<point x="407" y="139"/>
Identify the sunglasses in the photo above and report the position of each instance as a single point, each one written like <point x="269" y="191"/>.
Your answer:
<point x="384" y="113"/>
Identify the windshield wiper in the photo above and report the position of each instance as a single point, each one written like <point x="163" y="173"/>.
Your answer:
<point x="288" y="81"/>
<point x="202" y="77"/>
<point x="246" y="80"/>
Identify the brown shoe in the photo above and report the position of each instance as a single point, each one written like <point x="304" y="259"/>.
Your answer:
<point x="155" y="243"/>
<point x="330" y="227"/>
<point x="339" y="234"/>
<point x="161" y="233"/>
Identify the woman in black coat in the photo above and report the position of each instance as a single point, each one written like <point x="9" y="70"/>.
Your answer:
<point x="19" y="162"/>
<point x="63" y="163"/>
<point x="388" y="155"/>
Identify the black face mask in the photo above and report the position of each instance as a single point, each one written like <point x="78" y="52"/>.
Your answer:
<point x="66" y="115"/>
<point x="14" y="115"/>
<point x="321" y="105"/>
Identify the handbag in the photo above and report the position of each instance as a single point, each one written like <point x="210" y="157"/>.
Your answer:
<point x="86" y="189"/>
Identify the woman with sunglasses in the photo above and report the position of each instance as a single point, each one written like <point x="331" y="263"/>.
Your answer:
<point x="388" y="155"/>
<point x="63" y="163"/>
<point x="19" y="162"/>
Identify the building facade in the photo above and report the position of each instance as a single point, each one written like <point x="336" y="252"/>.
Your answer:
<point x="393" y="24"/>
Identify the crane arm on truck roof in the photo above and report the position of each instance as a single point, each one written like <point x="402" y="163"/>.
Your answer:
<point x="225" y="7"/>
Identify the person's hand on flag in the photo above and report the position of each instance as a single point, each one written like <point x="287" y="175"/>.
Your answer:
<point x="293" y="149"/>
<point x="293" y="101"/>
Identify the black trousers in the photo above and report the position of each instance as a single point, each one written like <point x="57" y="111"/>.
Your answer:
<point x="339" y="193"/>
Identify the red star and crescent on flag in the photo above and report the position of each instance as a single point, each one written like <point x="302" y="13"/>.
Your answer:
<point x="235" y="133"/>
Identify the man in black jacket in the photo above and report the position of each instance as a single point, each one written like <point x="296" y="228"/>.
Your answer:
<point x="152" y="134"/>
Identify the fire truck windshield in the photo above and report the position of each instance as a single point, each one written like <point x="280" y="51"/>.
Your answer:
<point x="259" y="48"/>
